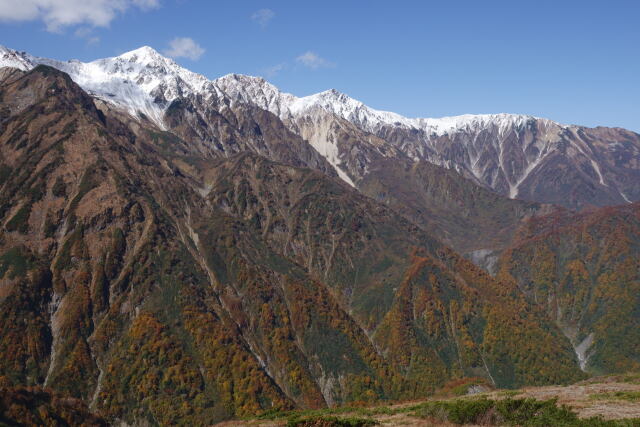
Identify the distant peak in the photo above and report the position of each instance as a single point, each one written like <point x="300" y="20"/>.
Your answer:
<point x="242" y="78"/>
<point x="15" y="59"/>
<point x="243" y="82"/>
<point x="145" y="55"/>
<point x="144" y="50"/>
<point x="333" y="93"/>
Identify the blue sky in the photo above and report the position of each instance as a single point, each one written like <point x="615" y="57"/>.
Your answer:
<point x="571" y="61"/>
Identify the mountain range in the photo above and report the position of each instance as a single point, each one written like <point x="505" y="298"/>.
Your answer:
<point x="517" y="156"/>
<point x="176" y="249"/>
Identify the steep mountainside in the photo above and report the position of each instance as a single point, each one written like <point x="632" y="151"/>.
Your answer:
<point x="536" y="159"/>
<point x="220" y="119"/>
<point x="515" y="155"/>
<point x="155" y="89"/>
<point x="34" y="406"/>
<point x="129" y="281"/>
<point x="457" y="210"/>
<point x="584" y="271"/>
<point x="471" y="219"/>
<point x="157" y="283"/>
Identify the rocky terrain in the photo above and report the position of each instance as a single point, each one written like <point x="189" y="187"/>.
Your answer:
<point x="517" y="156"/>
<point x="180" y="250"/>
<point x="129" y="262"/>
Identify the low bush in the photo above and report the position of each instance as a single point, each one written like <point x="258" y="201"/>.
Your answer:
<point x="512" y="412"/>
<point x="630" y="396"/>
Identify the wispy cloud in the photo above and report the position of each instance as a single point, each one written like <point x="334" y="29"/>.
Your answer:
<point x="314" y="61"/>
<point x="263" y="17"/>
<point x="274" y="70"/>
<point x="147" y="4"/>
<point x="58" y="14"/>
<point x="308" y="59"/>
<point x="184" y="47"/>
<point x="87" y="33"/>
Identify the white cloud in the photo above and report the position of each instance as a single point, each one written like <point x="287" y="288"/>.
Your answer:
<point x="263" y="16"/>
<point x="184" y="47"/>
<point x="57" y="14"/>
<point x="313" y="60"/>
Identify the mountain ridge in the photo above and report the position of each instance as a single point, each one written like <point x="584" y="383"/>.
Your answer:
<point x="148" y="56"/>
<point x="159" y="284"/>
<point x="518" y="156"/>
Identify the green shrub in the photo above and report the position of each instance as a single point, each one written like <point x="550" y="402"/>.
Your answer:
<point x="472" y="411"/>
<point x="460" y="411"/>
<point x="531" y="412"/>
<point x="5" y="173"/>
<point x="20" y="221"/>
<point x="15" y="261"/>
<point x="512" y="412"/>
<point x="630" y="396"/>
<point x="59" y="187"/>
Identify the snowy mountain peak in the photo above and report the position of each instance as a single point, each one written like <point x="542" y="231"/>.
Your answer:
<point x="241" y="84"/>
<point x="149" y="58"/>
<point x="15" y="59"/>
<point x="255" y="91"/>
<point x="144" y="81"/>
<point x="143" y="52"/>
<point x="333" y="94"/>
<point x="139" y="81"/>
<point x="500" y="151"/>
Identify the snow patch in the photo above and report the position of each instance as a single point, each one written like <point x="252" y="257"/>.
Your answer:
<point x="143" y="80"/>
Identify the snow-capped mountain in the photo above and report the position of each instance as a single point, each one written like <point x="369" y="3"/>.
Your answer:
<point x="260" y="92"/>
<point x="516" y="155"/>
<point x="143" y="80"/>
<point x="140" y="81"/>
<point x="519" y="156"/>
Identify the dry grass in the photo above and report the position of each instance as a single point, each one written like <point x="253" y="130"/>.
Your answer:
<point x="586" y="397"/>
<point x="611" y="397"/>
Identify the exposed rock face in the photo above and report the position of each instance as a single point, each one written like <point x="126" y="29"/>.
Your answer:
<point x="167" y="239"/>
<point x="537" y="160"/>
<point x="517" y="156"/>
<point x="156" y="280"/>
<point x="460" y="213"/>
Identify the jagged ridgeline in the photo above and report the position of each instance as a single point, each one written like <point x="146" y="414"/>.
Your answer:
<point x="514" y="155"/>
<point x="157" y="281"/>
